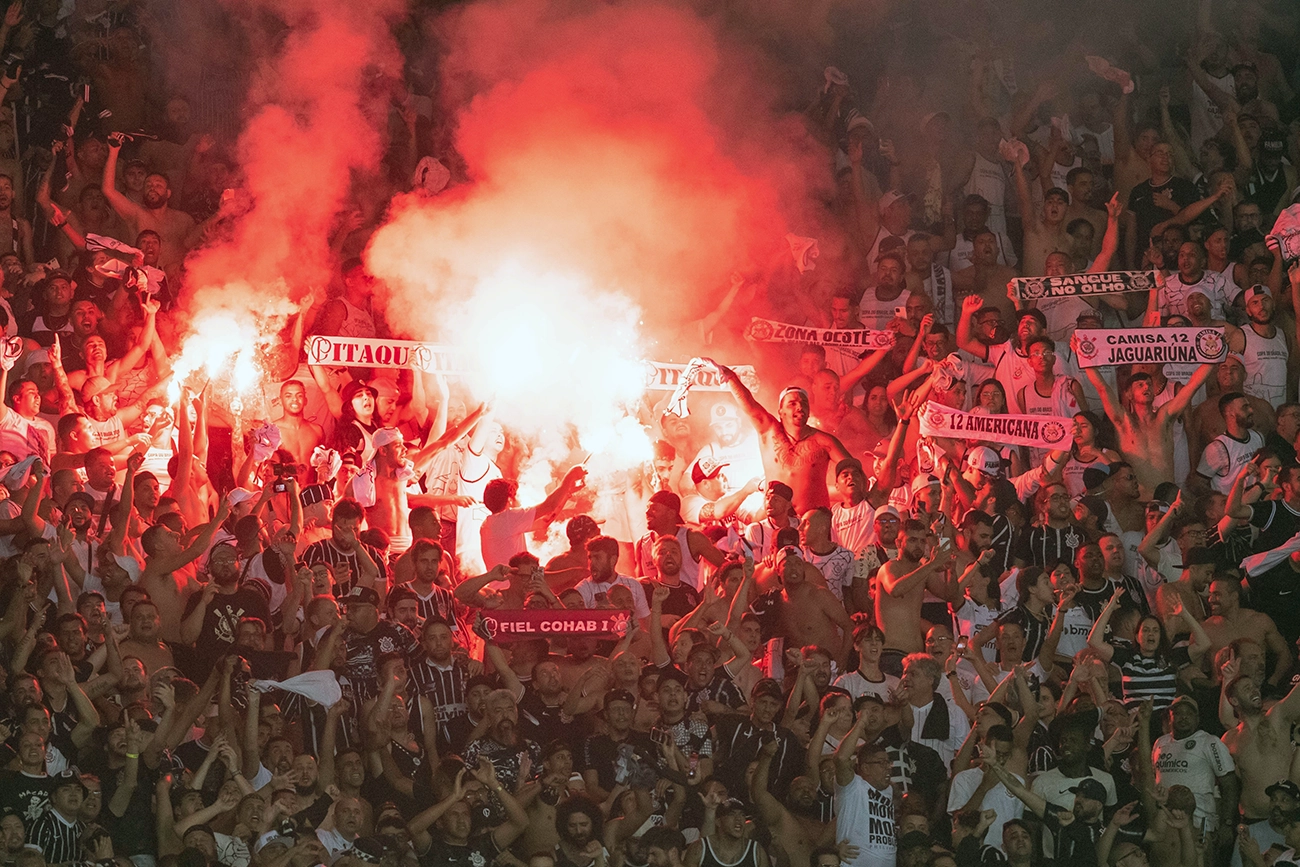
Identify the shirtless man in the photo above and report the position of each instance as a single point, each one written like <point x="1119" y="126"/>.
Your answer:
<point x="1146" y="435"/>
<point x="176" y="228"/>
<point x="164" y="556"/>
<point x="1228" y="621"/>
<point x="1259" y="742"/>
<point x="796" y="825"/>
<point x="298" y="436"/>
<point x="810" y="614"/>
<point x="900" y="589"/>
<point x="985" y="277"/>
<point x="1185" y="593"/>
<point x="793" y="451"/>
<point x="144" y="641"/>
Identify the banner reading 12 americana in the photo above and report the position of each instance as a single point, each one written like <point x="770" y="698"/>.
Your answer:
<point x="1036" y="431"/>
<point x="1102" y="347"/>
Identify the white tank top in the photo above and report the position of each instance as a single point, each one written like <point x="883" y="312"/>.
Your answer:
<point x="1182" y="456"/>
<point x="989" y="179"/>
<point x="1266" y="360"/>
<point x="1060" y="402"/>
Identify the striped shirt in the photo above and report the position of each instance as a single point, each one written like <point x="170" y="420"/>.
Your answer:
<point x="58" y="839"/>
<point x="1046" y="546"/>
<point x="325" y="551"/>
<point x="439" y="603"/>
<point x="443" y="684"/>
<point x="1149" y="677"/>
<point x="1035" y="630"/>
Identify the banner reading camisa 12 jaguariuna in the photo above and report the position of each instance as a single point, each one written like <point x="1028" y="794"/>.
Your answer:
<point x="1102" y="347"/>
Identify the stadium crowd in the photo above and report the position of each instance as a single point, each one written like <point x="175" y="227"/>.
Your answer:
<point x="837" y="640"/>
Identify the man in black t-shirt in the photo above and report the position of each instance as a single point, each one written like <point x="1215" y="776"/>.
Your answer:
<point x="682" y="598"/>
<point x="443" y="834"/>
<point x="212" y="616"/>
<point x="621" y="755"/>
<point x="1157" y="199"/>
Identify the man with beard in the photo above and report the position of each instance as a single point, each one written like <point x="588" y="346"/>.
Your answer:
<point x="1229" y="622"/>
<point x="1191" y="278"/>
<point x="900" y="590"/>
<point x="453" y="841"/>
<point x="365" y="638"/>
<point x="1283" y="804"/>
<point x="795" y="822"/>
<point x="1146" y="438"/>
<point x="760" y="537"/>
<point x="663" y="517"/>
<point x="507" y="751"/>
<point x="212" y="615"/>
<point x="1256" y="741"/>
<point x="729" y="844"/>
<point x="1269" y="352"/>
<point x="793" y="451"/>
<point x="602" y="558"/>
<point x="1058" y="537"/>
<point x="876" y="310"/>
<point x="298" y="436"/>
<point x="735" y="445"/>
<point x="1226" y="455"/>
<point x="1010" y="358"/>
<point x="682" y="599"/>
<point x="1206" y="421"/>
<point x="579" y="824"/>
<point x="175" y="228"/>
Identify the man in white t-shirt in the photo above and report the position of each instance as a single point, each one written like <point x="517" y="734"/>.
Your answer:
<point x="880" y="303"/>
<point x="1231" y="450"/>
<point x="502" y="532"/>
<point x="865" y="799"/>
<point x="1192" y="277"/>
<point x="1188" y="756"/>
<point x="602" y="557"/>
<point x="835" y="562"/>
<point x="980" y="789"/>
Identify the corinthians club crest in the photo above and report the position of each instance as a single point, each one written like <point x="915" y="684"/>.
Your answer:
<point x="1210" y="344"/>
<point x="1032" y="288"/>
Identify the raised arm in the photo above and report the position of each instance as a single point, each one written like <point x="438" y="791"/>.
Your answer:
<point x="1109" y="400"/>
<point x="126" y="209"/>
<point x="1097" y="637"/>
<point x="1183" y="399"/>
<point x="762" y="420"/>
<point x="965" y="331"/>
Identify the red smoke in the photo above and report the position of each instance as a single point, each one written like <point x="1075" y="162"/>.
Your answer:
<point x="622" y="142"/>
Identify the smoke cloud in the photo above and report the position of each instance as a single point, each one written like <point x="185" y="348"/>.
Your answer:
<point x="316" y="106"/>
<point x="624" y="160"/>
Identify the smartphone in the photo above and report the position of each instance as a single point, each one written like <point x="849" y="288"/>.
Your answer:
<point x="900" y="312"/>
<point x="945" y="543"/>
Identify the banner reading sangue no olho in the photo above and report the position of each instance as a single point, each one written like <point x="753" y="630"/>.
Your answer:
<point x="1102" y="347"/>
<point x="1036" y="431"/>
<point x="1103" y="283"/>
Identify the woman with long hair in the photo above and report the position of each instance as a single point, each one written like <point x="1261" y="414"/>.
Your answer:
<point x="1148" y="669"/>
<point x="991" y="399"/>
<point x="881" y="419"/>
<point x="1090" y="449"/>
